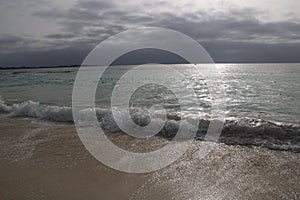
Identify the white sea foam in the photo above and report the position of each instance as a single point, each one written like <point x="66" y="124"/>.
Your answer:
<point x="235" y="132"/>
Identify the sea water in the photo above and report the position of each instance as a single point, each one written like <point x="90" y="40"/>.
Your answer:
<point x="261" y="101"/>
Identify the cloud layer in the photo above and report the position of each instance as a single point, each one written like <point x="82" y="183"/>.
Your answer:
<point x="63" y="33"/>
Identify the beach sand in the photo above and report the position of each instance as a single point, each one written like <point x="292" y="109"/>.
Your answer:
<point x="43" y="160"/>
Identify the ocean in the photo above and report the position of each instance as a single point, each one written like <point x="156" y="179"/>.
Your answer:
<point x="261" y="100"/>
<point x="255" y="157"/>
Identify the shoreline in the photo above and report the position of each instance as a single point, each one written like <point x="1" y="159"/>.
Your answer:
<point x="48" y="161"/>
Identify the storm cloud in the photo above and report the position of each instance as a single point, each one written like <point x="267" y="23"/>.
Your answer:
<point x="229" y="32"/>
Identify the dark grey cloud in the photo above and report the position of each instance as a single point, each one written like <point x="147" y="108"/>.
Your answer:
<point x="243" y="52"/>
<point x="60" y="36"/>
<point x="234" y="24"/>
<point x="55" y="57"/>
<point x="9" y="40"/>
<point x="221" y="51"/>
<point x="234" y="35"/>
<point x="95" y="5"/>
<point x="12" y="43"/>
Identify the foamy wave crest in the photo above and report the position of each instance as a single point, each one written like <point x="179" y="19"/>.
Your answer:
<point x="36" y="110"/>
<point x="262" y="133"/>
<point x="257" y="132"/>
<point x="4" y="108"/>
<point x="235" y="132"/>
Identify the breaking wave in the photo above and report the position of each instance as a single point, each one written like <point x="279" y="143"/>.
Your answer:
<point x="256" y="132"/>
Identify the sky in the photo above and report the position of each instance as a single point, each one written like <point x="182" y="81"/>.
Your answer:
<point x="55" y="32"/>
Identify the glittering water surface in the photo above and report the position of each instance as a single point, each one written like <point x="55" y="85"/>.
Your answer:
<point x="260" y="91"/>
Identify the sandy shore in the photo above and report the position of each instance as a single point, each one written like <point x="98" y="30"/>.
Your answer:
<point x="41" y="160"/>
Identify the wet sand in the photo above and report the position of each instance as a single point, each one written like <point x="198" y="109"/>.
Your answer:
<point x="42" y="160"/>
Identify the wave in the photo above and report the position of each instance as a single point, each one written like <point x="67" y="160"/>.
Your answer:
<point x="256" y="132"/>
<point x="36" y="110"/>
<point x="263" y="133"/>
